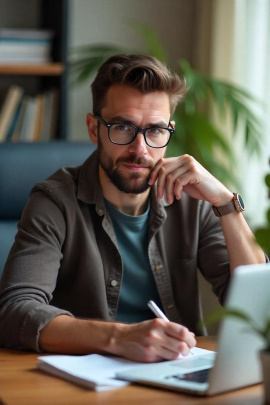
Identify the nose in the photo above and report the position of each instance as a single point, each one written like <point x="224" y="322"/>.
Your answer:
<point x="138" y="145"/>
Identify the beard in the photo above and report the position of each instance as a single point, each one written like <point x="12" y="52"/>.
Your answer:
<point x="134" y="183"/>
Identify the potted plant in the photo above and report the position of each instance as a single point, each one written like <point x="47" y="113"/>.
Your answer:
<point x="262" y="331"/>
<point x="196" y="133"/>
<point x="262" y="234"/>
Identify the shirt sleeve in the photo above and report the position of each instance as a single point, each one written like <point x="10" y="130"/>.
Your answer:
<point x="213" y="258"/>
<point x="30" y="274"/>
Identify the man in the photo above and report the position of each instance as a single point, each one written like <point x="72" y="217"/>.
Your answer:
<point x="96" y="242"/>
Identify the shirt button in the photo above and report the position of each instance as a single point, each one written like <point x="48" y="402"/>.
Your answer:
<point x="159" y="267"/>
<point x="114" y="283"/>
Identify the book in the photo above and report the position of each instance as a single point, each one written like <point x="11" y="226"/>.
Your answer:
<point x="39" y="118"/>
<point x="14" y="122"/>
<point x="27" y="60"/>
<point x="94" y="371"/>
<point x="54" y="113"/>
<point x="22" y="34"/>
<point x="24" y="51"/>
<point x="50" y="111"/>
<point x="9" y="109"/>
<point x="27" y="132"/>
<point x="16" y="135"/>
<point x="25" y="46"/>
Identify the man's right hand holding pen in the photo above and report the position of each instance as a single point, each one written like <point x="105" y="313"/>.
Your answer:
<point x="151" y="341"/>
<point x="155" y="340"/>
<point x="148" y="341"/>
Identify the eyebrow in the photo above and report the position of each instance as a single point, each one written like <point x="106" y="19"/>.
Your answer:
<point x="120" y="118"/>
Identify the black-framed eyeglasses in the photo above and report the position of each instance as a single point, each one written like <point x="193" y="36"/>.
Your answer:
<point x="123" y="134"/>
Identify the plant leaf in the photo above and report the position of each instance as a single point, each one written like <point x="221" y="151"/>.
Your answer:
<point x="268" y="216"/>
<point x="267" y="180"/>
<point x="262" y="236"/>
<point x="86" y="59"/>
<point x="266" y="331"/>
<point x="151" y="39"/>
<point x="221" y="313"/>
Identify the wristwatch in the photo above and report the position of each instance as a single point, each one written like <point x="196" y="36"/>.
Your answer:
<point x="236" y="204"/>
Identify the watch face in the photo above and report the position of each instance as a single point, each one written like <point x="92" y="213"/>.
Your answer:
<point x="241" y="202"/>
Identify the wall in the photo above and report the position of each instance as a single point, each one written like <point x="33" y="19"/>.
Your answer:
<point x="241" y="54"/>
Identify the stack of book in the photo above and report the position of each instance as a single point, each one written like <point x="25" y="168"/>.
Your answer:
<point x="25" y="46"/>
<point x="28" y="118"/>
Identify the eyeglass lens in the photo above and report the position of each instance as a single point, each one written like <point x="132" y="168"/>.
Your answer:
<point x="123" y="134"/>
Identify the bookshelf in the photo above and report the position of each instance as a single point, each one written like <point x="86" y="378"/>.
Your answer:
<point x="48" y="69"/>
<point x="39" y="78"/>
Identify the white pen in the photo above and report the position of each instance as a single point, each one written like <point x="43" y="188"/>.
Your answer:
<point x="159" y="314"/>
<point x="156" y="310"/>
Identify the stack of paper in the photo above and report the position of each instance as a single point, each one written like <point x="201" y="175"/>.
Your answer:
<point x="95" y="371"/>
<point x="91" y="371"/>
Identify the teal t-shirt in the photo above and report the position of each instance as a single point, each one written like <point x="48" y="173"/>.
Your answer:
<point x="138" y="284"/>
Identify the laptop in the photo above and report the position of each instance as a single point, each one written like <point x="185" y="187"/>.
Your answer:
<point x="236" y="363"/>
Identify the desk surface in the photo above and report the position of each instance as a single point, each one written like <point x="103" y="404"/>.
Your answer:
<point x="21" y="383"/>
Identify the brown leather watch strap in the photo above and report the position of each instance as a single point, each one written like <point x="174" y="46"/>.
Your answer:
<point x="224" y="209"/>
<point x="236" y="204"/>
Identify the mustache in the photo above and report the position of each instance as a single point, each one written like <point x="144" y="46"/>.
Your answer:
<point x="140" y="161"/>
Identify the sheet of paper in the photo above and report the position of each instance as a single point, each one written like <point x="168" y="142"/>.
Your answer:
<point x="95" y="371"/>
<point x="196" y="351"/>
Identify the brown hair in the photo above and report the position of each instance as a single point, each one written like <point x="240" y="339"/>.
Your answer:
<point x="144" y="73"/>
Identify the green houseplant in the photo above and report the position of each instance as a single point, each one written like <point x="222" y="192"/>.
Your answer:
<point x="196" y="133"/>
<point x="262" y="234"/>
<point x="262" y="330"/>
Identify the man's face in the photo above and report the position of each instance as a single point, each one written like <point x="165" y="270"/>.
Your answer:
<point x="129" y="167"/>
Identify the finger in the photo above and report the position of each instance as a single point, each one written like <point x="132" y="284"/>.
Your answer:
<point x="181" y="333"/>
<point x="168" y="173"/>
<point x="166" y="353"/>
<point x="185" y="349"/>
<point x="162" y="162"/>
<point x="178" y="188"/>
<point x="155" y="171"/>
<point x="165" y="348"/>
<point x="178" y="346"/>
<point x="174" y="184"/>
<point x="173" y="346"/>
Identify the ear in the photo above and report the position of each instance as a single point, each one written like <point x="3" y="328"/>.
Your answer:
<point x="172" y="124"/>
<point x="92" y="127"/>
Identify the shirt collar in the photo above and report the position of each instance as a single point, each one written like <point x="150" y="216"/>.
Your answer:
<point x="89" y="180"/>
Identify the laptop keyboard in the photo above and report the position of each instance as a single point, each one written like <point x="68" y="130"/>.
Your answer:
<point x="200" y="376"/>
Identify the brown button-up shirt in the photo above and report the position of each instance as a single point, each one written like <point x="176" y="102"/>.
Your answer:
<point x="65" y="258"/>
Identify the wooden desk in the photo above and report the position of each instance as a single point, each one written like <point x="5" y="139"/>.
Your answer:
<point x="22" y="384"/>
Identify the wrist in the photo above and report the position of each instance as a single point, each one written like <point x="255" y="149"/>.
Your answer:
<point x="103" y="335"/>
<point x="224" y="199"/>
<point x="235" y="205"/>
<point x="114" y="344"/>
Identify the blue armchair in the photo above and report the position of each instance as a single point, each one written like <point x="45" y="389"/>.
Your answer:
<point x="22" y="165"/>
